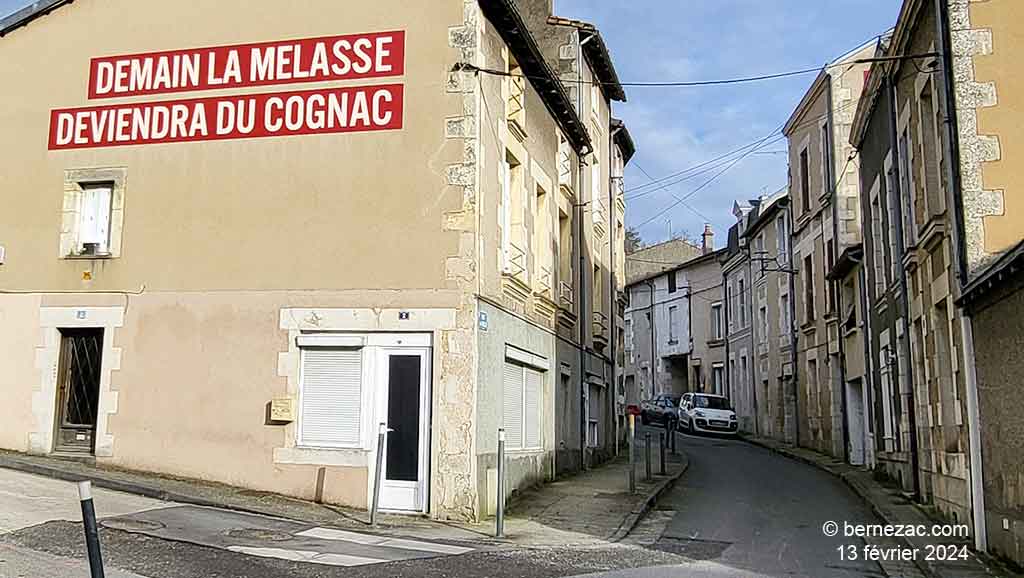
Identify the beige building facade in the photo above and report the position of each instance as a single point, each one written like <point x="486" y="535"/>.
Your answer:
<point x="209" y="304"/>
<point x="824" y="191"/>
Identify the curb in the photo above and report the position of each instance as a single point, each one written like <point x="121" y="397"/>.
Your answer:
<point x="642" y="510"/>
<point x="124" y="487"/>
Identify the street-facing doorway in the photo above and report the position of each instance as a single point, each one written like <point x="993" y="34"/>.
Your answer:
<point x="78" y="383"/>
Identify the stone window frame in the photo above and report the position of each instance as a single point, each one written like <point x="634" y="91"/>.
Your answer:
<point x="75" y="182"/>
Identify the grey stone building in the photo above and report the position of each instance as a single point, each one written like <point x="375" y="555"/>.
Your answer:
<point x="739" y="352"/>
<point x="674" y="329"/>
<point x="774" y="393"/>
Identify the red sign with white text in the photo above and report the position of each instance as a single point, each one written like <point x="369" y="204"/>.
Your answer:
<point x="371" y="55"/>
<point x="320" y="111"/>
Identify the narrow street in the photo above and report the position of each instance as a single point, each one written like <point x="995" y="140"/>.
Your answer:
<point x="741" y="510"/>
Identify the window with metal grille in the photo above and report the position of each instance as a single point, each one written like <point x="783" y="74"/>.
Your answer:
<point x="521" y="396"/>
<point x="330" y="397"/>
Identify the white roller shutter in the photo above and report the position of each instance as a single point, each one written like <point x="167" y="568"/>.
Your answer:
<point x="512" y="405"/>
<point x="531" y="409"/>
<point x="331" y="397"/>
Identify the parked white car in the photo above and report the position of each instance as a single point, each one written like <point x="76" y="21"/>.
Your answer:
<point x="707" y="413"/>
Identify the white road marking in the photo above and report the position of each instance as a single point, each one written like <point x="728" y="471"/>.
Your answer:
<point x="369" y="540"/>
<point x="306" y="556"/>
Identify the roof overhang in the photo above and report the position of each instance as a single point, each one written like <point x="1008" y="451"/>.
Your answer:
<point x="819" y="85"/>
<point x="623" y="139"/>
<point x="596" y="52"/>
<point x="29" y="13"/>
<point x="846" y="263"/>
<point x="709" y="256"/>
<point x="1006" y="270"/>
<point x="506" y="18"/>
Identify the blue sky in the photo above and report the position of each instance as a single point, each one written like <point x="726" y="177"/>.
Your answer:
<point x="677" y="128"/>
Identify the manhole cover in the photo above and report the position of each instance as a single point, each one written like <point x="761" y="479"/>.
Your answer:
<point x="692" y="549"/>
<point x="258" y="535"/>
<point x="131" y="525"/>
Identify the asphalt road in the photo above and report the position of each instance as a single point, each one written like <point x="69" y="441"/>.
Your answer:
<point x="739" y="511"/>
<point x="744" y="511"/>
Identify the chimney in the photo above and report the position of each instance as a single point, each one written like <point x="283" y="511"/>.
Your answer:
<point x="707" y="244"/>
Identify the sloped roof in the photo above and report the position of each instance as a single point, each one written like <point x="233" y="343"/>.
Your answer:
<point x="29" y="13"/>
<point x="596" y="53"/>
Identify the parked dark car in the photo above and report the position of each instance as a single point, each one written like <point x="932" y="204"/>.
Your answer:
<point x="662" y="409"/>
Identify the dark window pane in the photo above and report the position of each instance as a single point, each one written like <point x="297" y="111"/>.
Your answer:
<point x="403" y="455"/>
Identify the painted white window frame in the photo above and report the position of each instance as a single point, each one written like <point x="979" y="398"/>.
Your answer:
<point x="717" y="321"/>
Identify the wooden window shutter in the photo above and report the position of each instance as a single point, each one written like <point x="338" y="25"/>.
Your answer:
<point x="331" y="397"/>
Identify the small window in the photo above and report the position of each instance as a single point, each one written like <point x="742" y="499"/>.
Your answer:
<point x="742" y="292"/>
<point x="672" y="282"/>
<point x="94" y="219"/>
<point x="330" y="397"/>
<point x="673" y="319"/>
<point x="521" y="394"/>
<point x="808" y="276"/>
<point x="717" y="378"/>
<point x="716" y="321"/>
<point x="805" y="181"/>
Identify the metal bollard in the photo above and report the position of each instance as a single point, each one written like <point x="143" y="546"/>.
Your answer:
<point x="632" y="454"/>
<point x="647" y="456"/>
<point x="661" y="450"/>
<point x="382" y="433"/>
<point x="92" y="535"/>
<point x="499" y="530"/>
<point x="673" y="434"/>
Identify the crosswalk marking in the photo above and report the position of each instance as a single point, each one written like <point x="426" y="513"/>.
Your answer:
<point x="306" y="556"/>
<point x="370" y="540"/>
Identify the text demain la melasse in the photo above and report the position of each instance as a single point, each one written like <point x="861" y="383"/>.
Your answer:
<point x="370" y="55"/>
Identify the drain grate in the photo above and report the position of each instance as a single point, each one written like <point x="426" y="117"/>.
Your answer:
<point x="693" y="549"/>
<point x="258" y="535"/>
<point x="131" y="525"/>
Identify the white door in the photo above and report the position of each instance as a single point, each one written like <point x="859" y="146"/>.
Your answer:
<point x="404" y="378"/>
<point x="855" y="422"/>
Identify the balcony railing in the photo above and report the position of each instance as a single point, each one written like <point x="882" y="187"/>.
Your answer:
<point x="544" y="282"/>
<point x="600" y="329"/>
<point x="564" y="166"/>
<point x="565" y="295"/>
<point x="516" y="262"/>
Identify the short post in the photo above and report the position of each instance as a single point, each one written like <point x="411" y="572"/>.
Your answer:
<point x="382" y="433"/>
<point x="661" y="450"/>
<point x="92" y="535"/>
<point x="499" y="530"/>
<point x="673" y="434"/>
<point x="647" y="456"/>
<point x="632" y="454"/>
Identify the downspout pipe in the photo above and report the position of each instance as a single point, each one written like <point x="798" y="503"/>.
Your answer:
<point x="654" y="341"/>
<point x="944" y="38"/>
<point x="581" y="307"/>
<point x="794" y="338"/>
<point x="613" y="296"/>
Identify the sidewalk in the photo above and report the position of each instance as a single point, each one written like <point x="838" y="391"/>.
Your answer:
<point x="589" y="508"/>
<point x="892" y="506"/>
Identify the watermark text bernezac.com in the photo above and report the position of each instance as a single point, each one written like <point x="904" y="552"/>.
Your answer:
<point x="901" y="553"/>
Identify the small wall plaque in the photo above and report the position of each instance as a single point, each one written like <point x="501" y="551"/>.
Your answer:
<point x="282" y="409"/>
